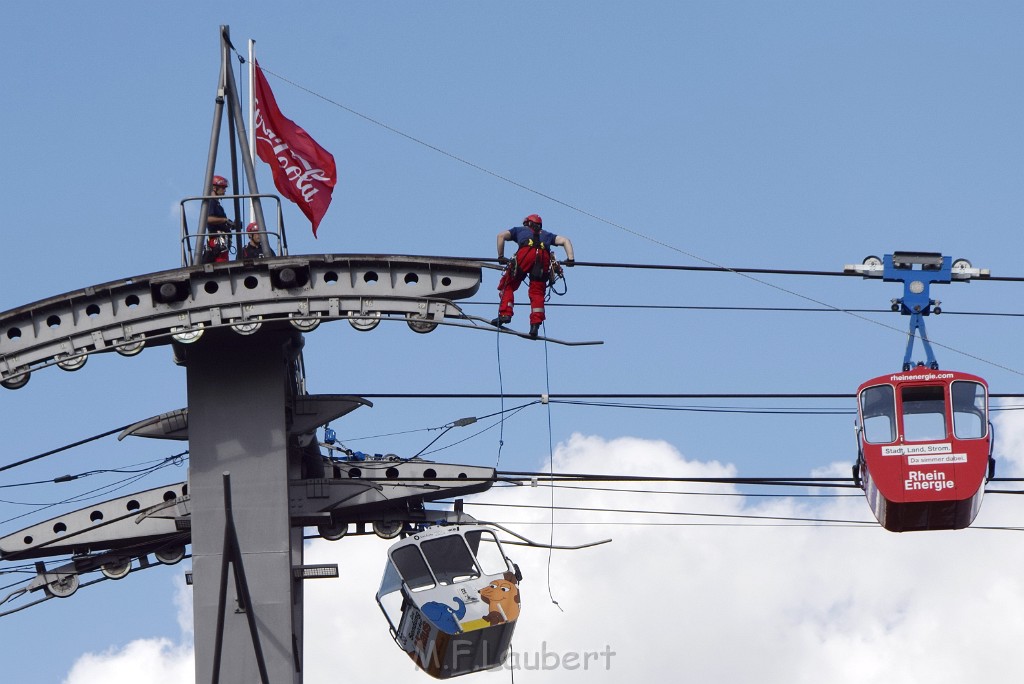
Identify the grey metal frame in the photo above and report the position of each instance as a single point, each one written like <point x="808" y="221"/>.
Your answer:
<point x="125" y="315"/>
<point x="249" y="439"/>
<point x="187" y="237"/>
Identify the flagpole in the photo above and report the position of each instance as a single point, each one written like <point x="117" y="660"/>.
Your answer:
<point x="211" y="159"/>
<point x="252" y="114"/>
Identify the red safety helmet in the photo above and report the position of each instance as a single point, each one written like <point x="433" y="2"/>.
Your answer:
<point x="252" y="228"/>
<point x="219" y="182"/>
<point x="533" y="218"/>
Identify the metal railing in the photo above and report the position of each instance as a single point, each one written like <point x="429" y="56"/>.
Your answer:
<point x="238" y="237"/>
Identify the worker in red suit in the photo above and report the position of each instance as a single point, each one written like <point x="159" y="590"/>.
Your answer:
<point x="534" y="259"/>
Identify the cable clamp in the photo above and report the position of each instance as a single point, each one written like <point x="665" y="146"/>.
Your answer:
<point x="543" y="398"/>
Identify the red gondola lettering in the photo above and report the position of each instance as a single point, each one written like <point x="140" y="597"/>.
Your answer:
<point x="933" y="480"/>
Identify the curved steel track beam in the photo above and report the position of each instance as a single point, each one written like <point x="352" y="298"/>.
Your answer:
<point x="126" y="315"/>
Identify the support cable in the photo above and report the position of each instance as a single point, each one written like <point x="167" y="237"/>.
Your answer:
<point x="749" y="274"/>
<point x="51" y="452"/>
<point x="511" y="413"/>
<point x="641" y="395"/>
<point x="640" y="511"/>
<point x="769" y="309"/>
<point x="620" y="490"/>
<point x="89" y="495"/>
<point x="527" y="477"/>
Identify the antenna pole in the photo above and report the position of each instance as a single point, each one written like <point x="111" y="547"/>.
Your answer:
<point x="252" y="113"/>
<point x="247" y="157"/>
<point x="227" y="92"/>
<point x="211" y="159"/>
<point x="233" y="104"/>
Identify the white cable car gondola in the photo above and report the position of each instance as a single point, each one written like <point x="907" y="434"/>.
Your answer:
<point x="451" y="597"/>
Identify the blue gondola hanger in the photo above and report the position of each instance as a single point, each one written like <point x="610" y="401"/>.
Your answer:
<point x="917" y="271"/>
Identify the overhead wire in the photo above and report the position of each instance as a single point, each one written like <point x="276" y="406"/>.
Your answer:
<point x="750" y="274"/>
<point x="619" y="490"/>
<point x="511" y="413"/>
<point x="72" y="445"/>
<point x="641" y="511"/>
<point x="713" y="409"/>
<point x="651" y="523"/>
<point x="712" y="265"/>
<point x="767" y="309"/>
<point x="506" y="483"/>
<point x="637" y="395"/>
<point x="528" y="477"/>
<point x="512" y="410"/>
<point x="88" y="473"/>
<point x="101" y="491"/>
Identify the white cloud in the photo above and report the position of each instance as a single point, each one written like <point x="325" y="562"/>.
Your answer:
<point x="690" y="602"/>
<point x="1008" y="428"/>
<point x="144" y="661"/>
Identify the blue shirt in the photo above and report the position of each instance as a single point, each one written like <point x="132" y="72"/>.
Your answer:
<point x="217" y="210"/>
<point x="522" y="235"/>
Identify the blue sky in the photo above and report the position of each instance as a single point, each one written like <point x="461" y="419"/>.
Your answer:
<point x="793" y="135"/>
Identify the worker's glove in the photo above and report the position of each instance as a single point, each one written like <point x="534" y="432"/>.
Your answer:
<point x="502" y="260"/>
<point x="569" y="262"/>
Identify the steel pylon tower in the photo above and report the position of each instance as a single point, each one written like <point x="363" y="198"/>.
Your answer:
<point x="256" y="475"/>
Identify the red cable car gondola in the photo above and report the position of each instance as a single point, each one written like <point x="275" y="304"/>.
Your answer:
<point x="924" y="448"/>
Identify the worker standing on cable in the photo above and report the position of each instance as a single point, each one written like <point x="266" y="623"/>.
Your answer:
<point x="534" y="259"/>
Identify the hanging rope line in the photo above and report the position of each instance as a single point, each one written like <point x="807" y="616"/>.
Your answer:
<point x="551" y="466"/>
<point x="501" y="393"/>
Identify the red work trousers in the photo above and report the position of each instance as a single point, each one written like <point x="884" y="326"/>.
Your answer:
<point x="533" y="262"/>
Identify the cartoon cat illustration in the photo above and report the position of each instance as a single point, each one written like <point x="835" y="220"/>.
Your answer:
<point x="502" y="598"/>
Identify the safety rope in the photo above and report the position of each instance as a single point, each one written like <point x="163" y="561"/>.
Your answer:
<point x="501" y="395"/>
<point x="551" y="464"/>
<point x="559" y="275"/>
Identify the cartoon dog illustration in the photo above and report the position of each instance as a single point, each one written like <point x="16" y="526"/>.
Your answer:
<point x="502" y="598"/>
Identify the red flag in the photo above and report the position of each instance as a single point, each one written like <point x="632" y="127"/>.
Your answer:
<point x="303" y="171"/>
